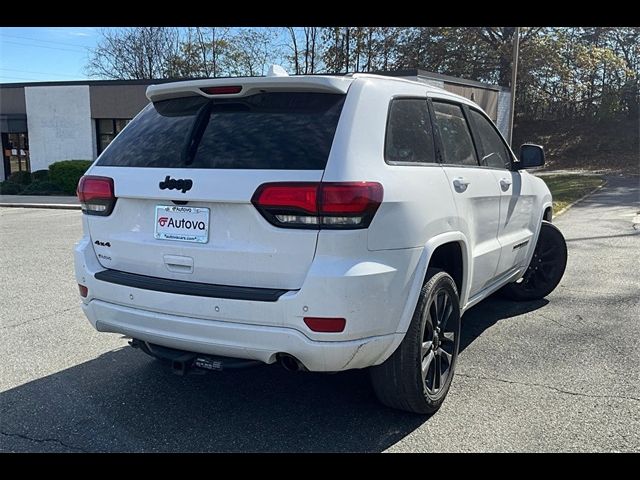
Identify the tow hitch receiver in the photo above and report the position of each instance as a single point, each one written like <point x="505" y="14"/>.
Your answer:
<point x="183" y="363"/>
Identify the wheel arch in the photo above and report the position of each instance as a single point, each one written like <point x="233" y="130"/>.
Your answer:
<point x="438" y="249"/>
<point x="547" y="210"/>
<point x="546" y="207"/>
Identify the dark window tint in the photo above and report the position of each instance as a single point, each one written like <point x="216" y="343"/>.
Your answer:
<point x="291" y="131"/>
<point x="494" y="153"/>
<point x="454" y="131"/>
<point x="409" y="136"/>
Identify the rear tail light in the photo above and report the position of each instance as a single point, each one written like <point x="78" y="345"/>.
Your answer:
<point x="84" y="291"/>
<point x="319" y="205"/>
<point x="96" y="195"/>
<point x="325" y="325"/>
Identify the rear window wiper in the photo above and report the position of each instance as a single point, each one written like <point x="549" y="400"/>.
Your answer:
<point x="195" y="134"/>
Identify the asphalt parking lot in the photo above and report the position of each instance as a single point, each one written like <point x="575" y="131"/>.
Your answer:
<point x="561" y="374"/>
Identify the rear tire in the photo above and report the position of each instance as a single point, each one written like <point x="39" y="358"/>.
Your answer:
<point x="417" y="377"/>
<point x="545" y="270"/>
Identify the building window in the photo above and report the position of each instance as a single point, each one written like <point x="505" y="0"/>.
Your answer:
<point x="15" y="148"/>
<point x="107" y="129"/>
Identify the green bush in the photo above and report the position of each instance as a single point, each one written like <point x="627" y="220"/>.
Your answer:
<point x="67" y="173"/>
<point x="22" y="178"/>
<point x="40" y="175"/>
<point x="10" y="188"/>
<point x="42" y="187"/>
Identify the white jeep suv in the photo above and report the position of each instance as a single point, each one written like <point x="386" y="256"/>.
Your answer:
<point x="327" y="223"/>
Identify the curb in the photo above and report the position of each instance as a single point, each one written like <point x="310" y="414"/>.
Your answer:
<point x="59" y="206"/>
<point x="604" y="184"/>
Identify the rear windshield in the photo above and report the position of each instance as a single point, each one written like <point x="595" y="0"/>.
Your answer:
<point x="276" y="130"/>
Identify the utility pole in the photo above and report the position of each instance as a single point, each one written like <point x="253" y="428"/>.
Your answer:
<point x="514" y="76"/>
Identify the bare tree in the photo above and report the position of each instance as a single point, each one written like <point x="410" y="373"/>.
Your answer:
<point x="304" y="49"/>
<point x="296" y="53"/>
<point x="212" y="43"/>
<point x="310" y="45"/>
<point x="202" y="53"/>
<point x="135" y="53"/>
<point x="249" y="52"/>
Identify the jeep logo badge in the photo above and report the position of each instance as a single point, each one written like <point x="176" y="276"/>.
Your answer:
<point x="184" y="185"/>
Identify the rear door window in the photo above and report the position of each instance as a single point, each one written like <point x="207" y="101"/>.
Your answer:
<point x="454" y="132"/>
<point x="274" y="130"/>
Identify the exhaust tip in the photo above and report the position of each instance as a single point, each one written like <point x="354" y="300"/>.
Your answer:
<point x="290" y="363"/>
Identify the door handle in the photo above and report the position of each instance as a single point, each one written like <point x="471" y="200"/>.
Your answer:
<point x="505" y="183"/>
<point x="461" y="183"/>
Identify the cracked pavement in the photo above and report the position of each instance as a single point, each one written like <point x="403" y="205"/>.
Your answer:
<point x="560" y="374"/>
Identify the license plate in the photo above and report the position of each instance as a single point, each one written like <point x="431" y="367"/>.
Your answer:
<point x="184" y="224"/>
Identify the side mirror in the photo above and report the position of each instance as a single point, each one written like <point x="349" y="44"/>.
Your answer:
<point x="531" y="156"/>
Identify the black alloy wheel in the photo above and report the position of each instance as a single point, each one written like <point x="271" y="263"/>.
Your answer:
<point x="417" y="376"/>
<point x="546" y="268"/>
<point x="439" y="338"/>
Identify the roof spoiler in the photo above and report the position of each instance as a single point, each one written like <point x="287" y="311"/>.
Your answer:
<point x="242" y="86"/>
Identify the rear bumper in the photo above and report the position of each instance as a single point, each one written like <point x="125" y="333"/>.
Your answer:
<point x="370" y="293"/>
<point x="236" y="340"/>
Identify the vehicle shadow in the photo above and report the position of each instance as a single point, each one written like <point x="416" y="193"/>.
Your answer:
<point x="489" y="312"/>
<point x="125" y="401"/>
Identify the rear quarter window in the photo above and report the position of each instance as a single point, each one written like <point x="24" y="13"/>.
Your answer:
<point x="409" y="138"/>
<point x="275" y="130"/>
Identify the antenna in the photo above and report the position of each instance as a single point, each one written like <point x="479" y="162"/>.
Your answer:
<point x="277" y="71"/>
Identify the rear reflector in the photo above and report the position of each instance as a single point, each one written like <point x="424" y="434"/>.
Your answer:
<point x="345" y="205"/>
<point x="326" y="325"/>
<point x="222" y="90"/>
<point x="96" y="195"/>
<point x="84" y="291"/>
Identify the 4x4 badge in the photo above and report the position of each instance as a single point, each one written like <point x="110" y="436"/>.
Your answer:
<point x="184" y="185"/>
